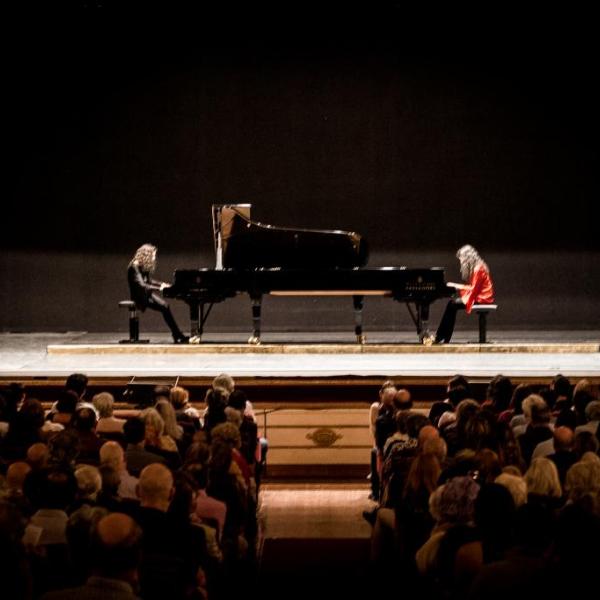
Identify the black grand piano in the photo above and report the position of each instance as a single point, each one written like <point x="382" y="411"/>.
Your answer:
<point x="259" y="259"/>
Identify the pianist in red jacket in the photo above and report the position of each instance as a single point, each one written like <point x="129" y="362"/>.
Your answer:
<point x="145" y="291"/>
<point x="478" y="290"/>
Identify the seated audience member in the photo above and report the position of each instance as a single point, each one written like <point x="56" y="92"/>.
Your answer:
<point x="516" y="485"/>
<point x="582" y="485"/>
<point x="79" y="531"/>
<point x="66" y="406"/>
<point x="208" y="510"/>
<point x="538" y="428"/>
<point x="592" y="414"/>
<point x="248" y="428"/>
<point x="561" y="388"/>
<point x="583" y="394"/>
<point x="543" y="484"/>
<point x="173" y="551"/>
<point x="457" y="390"/>
<point x="15" y="569"/>
<point x="171" y="428"/>
<point x="185" y="413"/>
<point x="136" y="455"/>
<point x="563" y="456"/>
<point x="63" y="449"/>
<point x="89" y="484"/>
<point x="37" y="455"/>
<point x="514" y="414"/>
<point x="84" y="425"/>
<point x="498" y="394"/>
<point x="157" y="440"/>
<point x="226" y="382"/>
<point x="115" y="555"/>
<point x="76" y="385"/>
<point x="585" y="441"/>
<point x="14" y="492"/>
<point x="216" y="402"/>
<point x="454" y="433"/>
<point x="24" y="430"/>
<point x="111" y="453"/>
<point x="107" y="422"/>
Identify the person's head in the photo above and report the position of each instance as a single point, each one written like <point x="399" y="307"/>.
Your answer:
<point x="77" y="382"/>
<point x="387" y="395"/>
<point x="63" y="448"/>
<point x="542" y="478"/>
<point x="115" y="548"/>
<point x="563" y="438"/>
<point x="402" y="400"/>
<point x="423" y="474"/>
<point x="414" y="423"/>
<point x="561" y="387"/>
<point x="457" y="503"/>
<point x="67" y="402"/>
<point x="226" y="433"/>
<point x="161" y="392"/>
<point x="469" y="259"/>
<point x="78" y="532"/>
<point x="388" y="383"/>
<point x="478" y="431"/>
<point x="37" y="455"/>
<point x="536" y="410"/>
<point x="179" y="397"/>
<point x="519" y="394"/>
<point x="592" y="411"/>
<point x="585" y="441"/>
<point x="457" y="381"/>
<point x="89" y="482"/>
<point x="216" y="399"/>
<point x="155" y="425"/>
<point x="466" y="409"/>
<point x="224" y="381"/>
<point x="237" y="400"/>
<point x="111" y="479"/>
<point x="488" y="465"/>
<point x="583" y="394"/>
<point x="155" y="487"/>
<point x="435" y="445"/>
<point x="167" y="412"/>
<point x="583" y="479"/>
<point x="427" y="433"/>
<point x="145" y="258"/>
<point x="457" y="394"/>
<point x="103" y="403"/>
<point x="197" y="453"/>
<point x="111" y="453"/>
<point x="500" y="391"/>
<point x="135" y="431"/>
<point x="16" y="474"/>
<point x="516" y="485"/>
<point x="84" y="420"/>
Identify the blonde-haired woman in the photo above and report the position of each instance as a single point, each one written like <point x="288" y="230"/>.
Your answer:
<point x="543" y="483"/>
<point x="144" y="290"/>
<point x="157" y="440"/>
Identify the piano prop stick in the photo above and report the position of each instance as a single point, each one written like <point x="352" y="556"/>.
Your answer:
<point x="258" y="259"/>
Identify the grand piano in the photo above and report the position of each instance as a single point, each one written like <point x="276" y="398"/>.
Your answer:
<point x="259" y="259"/>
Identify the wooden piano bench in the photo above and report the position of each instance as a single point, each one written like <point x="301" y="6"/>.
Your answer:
<point x="134" y="323"/>
<point x="482" y="311"/>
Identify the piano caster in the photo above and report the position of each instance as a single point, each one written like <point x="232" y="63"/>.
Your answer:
<point x="428" y="340"/>
<point x="254" y="341"/>
<point x="361" y="339"/>
<point x="195" y="339"/>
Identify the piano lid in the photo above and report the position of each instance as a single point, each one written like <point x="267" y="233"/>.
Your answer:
<point x="241" y="243"/>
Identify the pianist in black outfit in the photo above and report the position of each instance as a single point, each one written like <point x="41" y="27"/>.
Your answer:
<point x="145" y="290"/>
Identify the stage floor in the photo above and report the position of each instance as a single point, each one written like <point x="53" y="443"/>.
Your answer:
<point x="302" y="355"/>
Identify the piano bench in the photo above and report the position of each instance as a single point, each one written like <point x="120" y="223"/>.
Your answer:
<point x="482" y="311"/>
<point x="134" y="323"/>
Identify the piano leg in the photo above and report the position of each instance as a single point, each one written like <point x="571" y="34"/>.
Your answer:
<point x="195" y="333"/>
<point x="358" y="302"/>
<point x="423" y="321"/>
<point x="256" y="308"/>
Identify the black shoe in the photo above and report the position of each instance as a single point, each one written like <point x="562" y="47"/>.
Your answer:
<point x="184" y="339"/>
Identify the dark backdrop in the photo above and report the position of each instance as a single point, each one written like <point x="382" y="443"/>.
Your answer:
<point x="124" y="125"/>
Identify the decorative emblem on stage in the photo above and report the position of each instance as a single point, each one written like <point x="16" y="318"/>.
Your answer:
<point x="324" y="437"/>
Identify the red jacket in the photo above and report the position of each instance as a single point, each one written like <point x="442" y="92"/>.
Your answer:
<point x="480" y="289"/>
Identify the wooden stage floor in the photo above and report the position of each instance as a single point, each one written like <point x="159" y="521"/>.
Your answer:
<point x="530" y="354"/>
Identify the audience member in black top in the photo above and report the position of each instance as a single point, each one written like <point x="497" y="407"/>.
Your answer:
<point x="136" y="456"/>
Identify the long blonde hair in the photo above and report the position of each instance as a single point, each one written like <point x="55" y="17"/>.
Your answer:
<point x="145" y="258"/>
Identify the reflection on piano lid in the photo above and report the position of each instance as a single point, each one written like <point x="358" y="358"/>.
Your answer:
<point x="241" y="243"/>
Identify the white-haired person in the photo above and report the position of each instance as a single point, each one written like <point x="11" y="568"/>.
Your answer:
<point x="145" y="291"/>
<point x="478" y="289"/>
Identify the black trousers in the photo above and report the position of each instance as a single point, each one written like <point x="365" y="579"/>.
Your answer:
<point x="446" y="327"/>
<point x="155" y="302"/>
